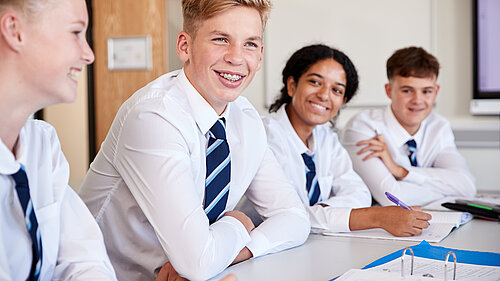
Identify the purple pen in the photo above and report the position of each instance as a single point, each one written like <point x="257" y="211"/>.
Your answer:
<point x="397" y="201"/>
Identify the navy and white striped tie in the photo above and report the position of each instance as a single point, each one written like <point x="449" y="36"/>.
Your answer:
<point x="23" y="193"/>
<point x="312" y="184"/>
<point x="218" y="171"/>
<point x="412" y="152"/>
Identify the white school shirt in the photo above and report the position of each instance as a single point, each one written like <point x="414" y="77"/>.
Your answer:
<point x="72" y="244"/>
<point x="146" y="186"/>
<point x="442" y="170"/>
<point x="341" y="188"/>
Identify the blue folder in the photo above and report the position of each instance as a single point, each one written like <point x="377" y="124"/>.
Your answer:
<point x="426" y="250"/>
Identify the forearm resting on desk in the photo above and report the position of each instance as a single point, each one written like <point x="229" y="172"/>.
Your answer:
<point x="394" y="219"/>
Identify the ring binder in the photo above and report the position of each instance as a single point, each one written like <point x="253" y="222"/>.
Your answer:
<point x="446" y="265"/>
<point x="403" y="261"/>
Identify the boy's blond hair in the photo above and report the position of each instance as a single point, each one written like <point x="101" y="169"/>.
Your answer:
<point x="196" y="11"/>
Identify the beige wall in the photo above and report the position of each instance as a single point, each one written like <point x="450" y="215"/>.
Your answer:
<point x="71" y="123"/>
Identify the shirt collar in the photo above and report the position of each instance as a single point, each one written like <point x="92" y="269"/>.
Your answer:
<point x="8" y="163"/>
<point x="203" y="113"/>
<point x="399" y="134"/>
<point x="297" y="143"/>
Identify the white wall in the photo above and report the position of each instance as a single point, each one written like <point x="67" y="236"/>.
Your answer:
<point x="444" y="27"/>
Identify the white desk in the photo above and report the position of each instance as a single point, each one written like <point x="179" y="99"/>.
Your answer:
<point x="324" y="257"/>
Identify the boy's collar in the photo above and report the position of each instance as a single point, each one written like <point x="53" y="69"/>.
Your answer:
<point x="398" y="132"/>
<point x="203" y="113"/>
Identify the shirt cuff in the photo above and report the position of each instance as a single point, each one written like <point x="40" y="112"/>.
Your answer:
<point x="238" y="227"/>
<point x="329" y="219"/>
<point x="259" y="245"/>
<point x="414" y="176"/>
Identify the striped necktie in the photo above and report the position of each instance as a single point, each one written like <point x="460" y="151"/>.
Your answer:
<point x="312" y="184"/>
<point x="412" y="152"/>
<point x="218" y="171"/>
<point x="23" y="193"/>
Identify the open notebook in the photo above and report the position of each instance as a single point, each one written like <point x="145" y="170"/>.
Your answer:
<point x="441" y="224"/>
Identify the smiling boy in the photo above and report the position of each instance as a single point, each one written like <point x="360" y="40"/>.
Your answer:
<point x="406" y="149"/>
<point x="183" y="150"/>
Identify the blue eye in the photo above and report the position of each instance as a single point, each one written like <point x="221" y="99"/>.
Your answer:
<point x="220" y="39"/>
<point x="252" y="44"/>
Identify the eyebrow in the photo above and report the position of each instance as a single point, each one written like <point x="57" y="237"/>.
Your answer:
<point x="321" y="76"/>
<point x="410" y="87"/>
<point x="224" y="34"/>
<point x="79" y="22"/>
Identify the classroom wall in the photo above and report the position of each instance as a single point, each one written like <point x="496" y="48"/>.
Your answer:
<point x="453" y="47"/>
<point x="478" y="137"/>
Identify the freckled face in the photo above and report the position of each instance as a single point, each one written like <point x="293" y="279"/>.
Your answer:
<point x="318" y="95"/>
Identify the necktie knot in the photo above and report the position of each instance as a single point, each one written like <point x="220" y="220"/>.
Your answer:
<point x="218" y="130"/>
<point x="312" y="184"/>
<point x="20" y="178"/>
<point x="308" y="160"/>
<point x="412" y="152"/>
<point x="411" y="144"/>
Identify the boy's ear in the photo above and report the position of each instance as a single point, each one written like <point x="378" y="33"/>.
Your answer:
<point x="11" y="31"/>
<point x="184" y="42"/>
<point x="388" y="89"/>
<point x="290" y="85"/>
<point x="261" y="56"/>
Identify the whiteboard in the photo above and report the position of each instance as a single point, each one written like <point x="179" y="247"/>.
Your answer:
<point x="368" y="31"/>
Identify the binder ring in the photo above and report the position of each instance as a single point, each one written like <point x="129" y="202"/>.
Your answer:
<point x="403" y="261"/>
<point x="446" y="265"/>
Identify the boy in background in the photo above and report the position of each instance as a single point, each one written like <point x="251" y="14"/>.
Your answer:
<point x="407" y="149"/>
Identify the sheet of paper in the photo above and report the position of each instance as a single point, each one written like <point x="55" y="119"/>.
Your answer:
<point x="366" y="275"/>
<point x="435" y="268"/>
<point x="440" y="226"/>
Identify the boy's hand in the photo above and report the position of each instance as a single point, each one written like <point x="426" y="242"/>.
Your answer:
<point x="379" y="149"/>
<point x="244" y="255"/>
<point x="244" y="219"/>
<point x="168" y="273"/>
<point x="402" y="222"/>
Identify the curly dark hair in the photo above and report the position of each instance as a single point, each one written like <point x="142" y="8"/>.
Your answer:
<point x="306" y="57"/>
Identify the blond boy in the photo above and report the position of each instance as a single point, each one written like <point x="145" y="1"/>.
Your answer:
<point x="154" y="188"/>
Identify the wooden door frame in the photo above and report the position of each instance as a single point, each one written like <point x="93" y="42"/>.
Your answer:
<point x="91" y="90"/>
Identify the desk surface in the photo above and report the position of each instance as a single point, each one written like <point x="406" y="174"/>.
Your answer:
<point x="324" y="257"/>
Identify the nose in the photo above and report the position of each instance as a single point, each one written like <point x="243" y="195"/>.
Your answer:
<point x="323" y="93"/>
<point x="87" y="53"/>
<point x="234" y="55"/>
<point x="417" y="97"/>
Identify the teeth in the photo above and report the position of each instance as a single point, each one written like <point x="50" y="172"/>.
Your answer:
<point x="319" y="106"/>
<point x="232" y="78"/>
<point x="73" y="74"/>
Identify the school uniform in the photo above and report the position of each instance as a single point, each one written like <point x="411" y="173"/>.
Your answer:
<point x="439" y="169"/>
<point x="146" y="186"/>
<point x="340" y="187"/>
<point x="72" y="246"/>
